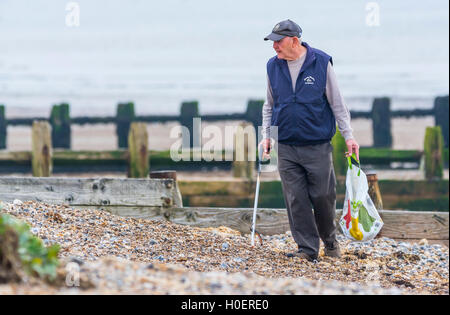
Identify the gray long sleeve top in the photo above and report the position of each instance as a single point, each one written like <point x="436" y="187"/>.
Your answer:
<point x="340" y="110"/>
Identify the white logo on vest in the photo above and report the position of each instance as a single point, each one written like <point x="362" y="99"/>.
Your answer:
<point x="309" y="80"/>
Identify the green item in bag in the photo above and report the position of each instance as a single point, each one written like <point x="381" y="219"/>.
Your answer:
<point x="365" y="219"/>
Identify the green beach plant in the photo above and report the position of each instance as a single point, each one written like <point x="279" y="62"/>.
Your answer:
<point x="21" y="250"/>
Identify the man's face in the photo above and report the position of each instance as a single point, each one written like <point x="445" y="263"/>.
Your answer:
<point x="284" y="47"/>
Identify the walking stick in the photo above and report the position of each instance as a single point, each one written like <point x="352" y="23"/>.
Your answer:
<point x="260" y="162"/>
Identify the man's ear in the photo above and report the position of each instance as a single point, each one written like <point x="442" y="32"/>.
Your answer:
<point x="295" y="41"/>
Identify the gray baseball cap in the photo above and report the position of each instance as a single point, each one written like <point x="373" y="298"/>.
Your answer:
<point x="283" y="29"/>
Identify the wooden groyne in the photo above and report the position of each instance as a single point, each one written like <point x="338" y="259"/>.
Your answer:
<point x="93" y="192"/>
<point x="60" y="120"/>
<point x="123" y="160"/>
<point x="160" y="199"/>
<point x="417" y="195"/>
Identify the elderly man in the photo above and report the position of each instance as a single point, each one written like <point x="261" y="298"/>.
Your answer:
<point x="304" y="102"/>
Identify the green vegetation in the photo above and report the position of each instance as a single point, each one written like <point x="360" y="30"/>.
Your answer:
<point x="21" y="250"/>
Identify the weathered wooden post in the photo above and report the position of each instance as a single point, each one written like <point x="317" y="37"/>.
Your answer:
<point x="124" y="117"/>
<point x="3" y="127"/>
<point x="254" y="112"/>
<point x="433" y="153"/>
<point x="244" y="144"/>
<point x="138" y="151"/>
<point x="177" y="200"/>
<point x="189" y="111"/>
<point x="42" y="152"/>
<point x="339" y="149"/>
<point x="374" y="190"/>
<point x="60" y="122"/>
<point x="441" y="116"/>
<point x="381" y="119"/>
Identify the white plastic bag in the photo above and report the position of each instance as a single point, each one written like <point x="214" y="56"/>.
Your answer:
<point x="360" y="220"/>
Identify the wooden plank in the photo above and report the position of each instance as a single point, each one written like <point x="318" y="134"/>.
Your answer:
<point x="16" y="156"/>
<point x="189" y="111"/>
<point x="402" y="195"/>
<point x="416" y="203"/>
<point x="42" y="151"/>
<point x="220" y="201"/>
<point x="164" y="174"/>
<point x="236" y="187"/>
<point x="74" y="159"/>
<point x="431" y="242"/>
<point x="397" y="224"/>
<point x="124" y="116"/>
<point x="387" y="155"/>
<point x="409" y="189"/>
<point x="441" y="107"/>
<point x="433" y="147"/>
<point x="244" y="157"/>
<point x="3" y="128"/>
<point x="422" y="188"/>
<point x="138" y="166"/>
<point x="269" y="221"/>
<point x="415" y="224"/>
<point x="83" y="120"/>
<point x="60" y="122"/>
<point x="374" y="190"/>
<point x="368" y="156"/>
<point x="381" y="122"/>
<point x="91" y="191"/>
<point x="254" y="112"/>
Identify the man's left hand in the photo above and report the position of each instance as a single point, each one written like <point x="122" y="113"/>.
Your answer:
<point x="353" y="147"/>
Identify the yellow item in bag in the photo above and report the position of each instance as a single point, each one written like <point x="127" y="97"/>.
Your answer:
<point x="355" y="231"/>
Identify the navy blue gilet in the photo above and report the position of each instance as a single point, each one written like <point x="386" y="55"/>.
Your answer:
<point x="304" y="116"/>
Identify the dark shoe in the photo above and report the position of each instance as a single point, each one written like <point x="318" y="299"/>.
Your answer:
<point x="302" y="255"/>
<point x="333" y="251"/>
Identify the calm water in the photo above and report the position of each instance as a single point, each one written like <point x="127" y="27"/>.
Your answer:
<point x="159" y="53"/>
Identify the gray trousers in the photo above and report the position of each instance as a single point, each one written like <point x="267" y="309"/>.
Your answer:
<point x="308" y="181"/>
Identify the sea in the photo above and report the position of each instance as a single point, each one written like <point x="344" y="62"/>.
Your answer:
<point x="95" y="54"/>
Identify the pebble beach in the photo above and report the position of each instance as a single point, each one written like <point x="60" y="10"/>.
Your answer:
<point x="118" y="255"/>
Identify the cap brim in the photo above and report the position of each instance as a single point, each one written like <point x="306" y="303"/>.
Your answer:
<point x="274" y="37"/>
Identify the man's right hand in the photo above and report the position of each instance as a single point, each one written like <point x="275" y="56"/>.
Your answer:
<point x="267" y="146"/>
